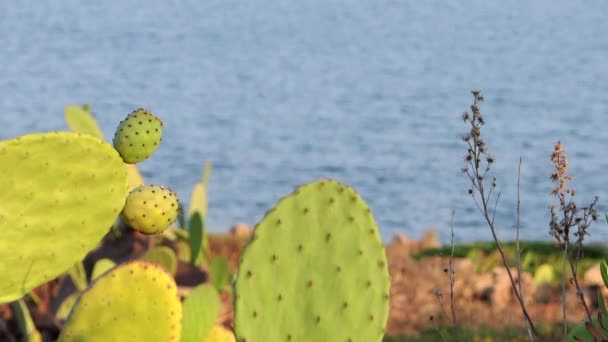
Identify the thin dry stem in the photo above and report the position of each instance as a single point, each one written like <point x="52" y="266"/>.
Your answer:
<point x="451" y="273"/>
<point x="572" y="218"/>
<point x="518" y="250"/>
<point x="478" y="163"/>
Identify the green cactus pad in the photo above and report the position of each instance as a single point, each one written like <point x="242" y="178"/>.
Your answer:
<point x="545" y="274"/>
<point x="219" y="271"/>
<point x="101" y="266"/>
<point x="60" y="194"/>
<point x="150" y="209"/>
<point x="201" y="309"/>
<point x="315" y="270"/>
<point x="81" y="120"/>
<point x="163" y="256"/>
<point x="66" y="306"/>
<point x="135" y="301"/>
<point x="138" y="136"/>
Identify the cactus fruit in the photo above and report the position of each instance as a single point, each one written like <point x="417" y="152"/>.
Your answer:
<point x="220" y="334"/>
<point x="150" y="209"/>
<point x="201" y="309"/>
<point x="138" y="136"/>
<point x="135" y="301"/>
<point x="61" y="193"/>
<point x="315" y="270"/>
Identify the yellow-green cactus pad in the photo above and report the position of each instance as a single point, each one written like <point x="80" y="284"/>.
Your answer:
<point x="59" y="195"/>
<point x="315" y="270"/>
<point x="101" y="266"/>
<point x="81" y="120"/>
<point x="135" y="301"/>
<point x="220" y="334"/>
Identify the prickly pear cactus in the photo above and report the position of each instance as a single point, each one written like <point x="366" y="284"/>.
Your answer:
<point x="220" y="334"/>
<point x="545" y="274"/>
<point x="315" y="270"/>
<point x="150" y="209"/>
<point x="135" y="301"/>
<point x="138" y="136"/>
<point x="80" y="120"/>
<point x="163" y="256"/>
<point x="101" y="267"/>
<point x="60" y="194"/>
<point x="201" y="309"/>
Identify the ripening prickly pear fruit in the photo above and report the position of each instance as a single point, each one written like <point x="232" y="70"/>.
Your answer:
<point x="150" y="209"/>
<point x="138" y="136"/>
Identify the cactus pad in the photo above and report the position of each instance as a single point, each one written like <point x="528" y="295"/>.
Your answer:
<point x="220" y="334"/>
<point x="150" y="209"/>
<point x="138" y="136"/>
<point x="163" y="256"/>
<point x="135" y="301"/>
<point x="201" y="309"/>
<point x="315" y="270"/>
<point x="61" y="193"/>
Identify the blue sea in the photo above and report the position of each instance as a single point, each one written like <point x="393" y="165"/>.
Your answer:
<point x="278" y="93"/>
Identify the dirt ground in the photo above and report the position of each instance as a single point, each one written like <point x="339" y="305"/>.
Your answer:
<point x="420" y="290"/>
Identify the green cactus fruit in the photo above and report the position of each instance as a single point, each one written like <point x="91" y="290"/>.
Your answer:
<point x="60" y="194"/>
<point x="163" y="256"/>
<point x="545" y="274"/>
<point x="135" y="301"/>
<point x="220" y="334"/>
<point x="315" y="270"/>
<point x="138" y="136"/>
<point x="150" y="209"/>
<point x="201" y="309"/>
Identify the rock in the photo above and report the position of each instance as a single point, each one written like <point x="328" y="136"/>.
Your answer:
<point x="503" y="289"/>
<point x="241" y="230"/>
<point x="593" y="283"/>
<point x="401" y="245"/>
<point x="429" y="239"/>
<point x="593" y="276"/>
<point x="482" y="284"/>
